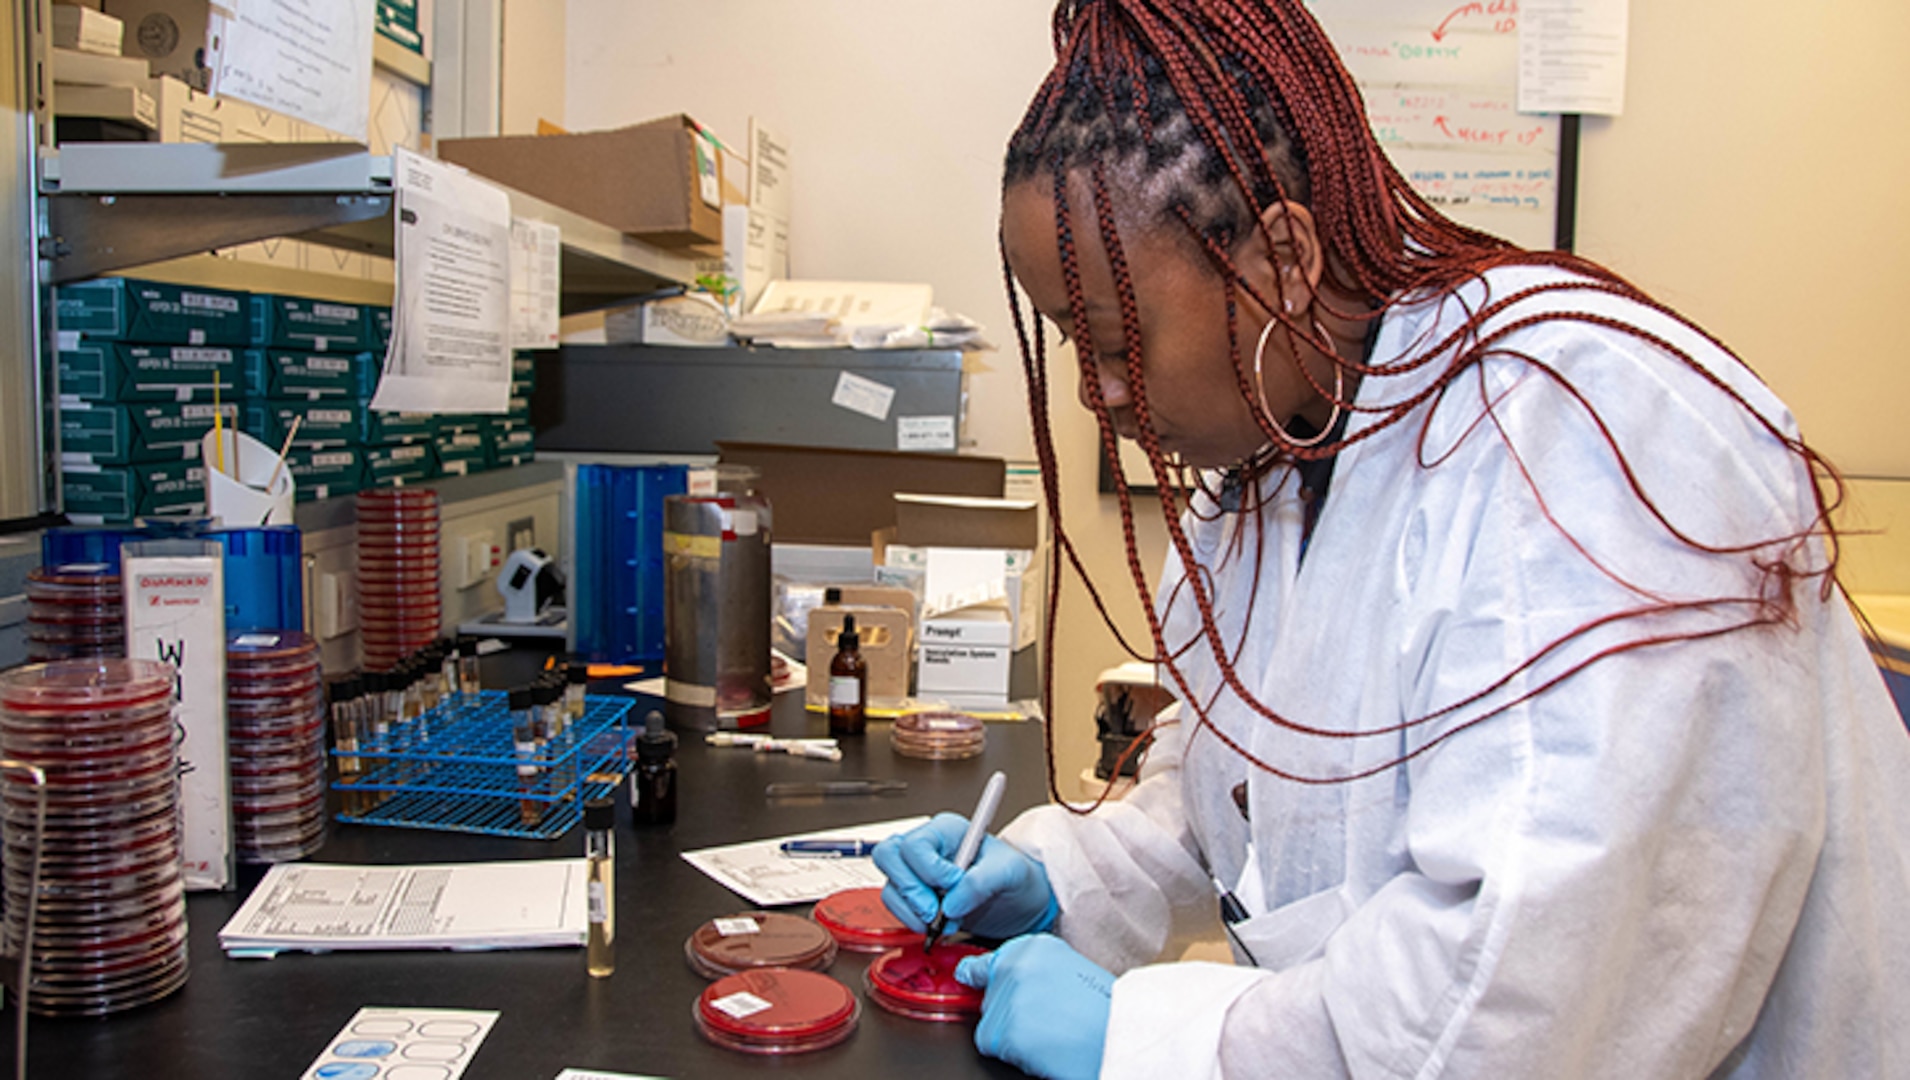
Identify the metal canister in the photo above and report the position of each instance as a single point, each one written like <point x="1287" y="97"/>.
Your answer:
<point x="717" y="603"/>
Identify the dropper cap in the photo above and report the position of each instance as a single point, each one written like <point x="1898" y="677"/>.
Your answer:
<point x="848" y="640"/>
<point x="520" y="698"/>
<point x="655" y="743"/>
<point x="600" y="814"/>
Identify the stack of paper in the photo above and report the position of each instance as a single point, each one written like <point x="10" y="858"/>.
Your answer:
<point x="321" y="908"/>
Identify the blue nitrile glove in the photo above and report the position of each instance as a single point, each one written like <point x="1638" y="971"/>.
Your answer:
<point x="1004" y="893"/>
<point x="1045" y="1007"/>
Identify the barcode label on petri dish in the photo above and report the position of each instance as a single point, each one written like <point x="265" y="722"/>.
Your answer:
<point x="740" y="1004"/>
<point x="251" y="640"/>
<point x="942" y="725"/>
<point x="732" y="927"/>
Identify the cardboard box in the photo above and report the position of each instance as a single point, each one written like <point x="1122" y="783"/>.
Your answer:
<point x="322" y="425"/>
<point x="175" y="612"/>
<point x="393" y="428"/>
<point x="170" y="35"/>
<point x="112" y="493"/>
<point x="323" y="474"/>
<point x="126" y="309"/>
<point x="461" y="453"/>
<point x="389" y="465"/>
<point x="296" y="376"/>
<point x="658" y="181"/>
<point x="92" y="433"/>
<point x="291" y="322"/>
<point x="966" y="522"/>
<point x="86" y="30"/>
<point x="824" y="495"/>
<point x="127" y="104"/>
<point x="107" y="371"/>
<point x="965" y="656"/>
<point x="75" y="68"/>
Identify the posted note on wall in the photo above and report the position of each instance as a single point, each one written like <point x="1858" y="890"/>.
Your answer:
<point x="311" y="61"/>
<point x="1572" y="56"/>
<point x="451" y="311"/>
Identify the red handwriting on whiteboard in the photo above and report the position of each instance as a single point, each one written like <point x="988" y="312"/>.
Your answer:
<point x="1503" y="13"/>
<point x="1480" y="136"/>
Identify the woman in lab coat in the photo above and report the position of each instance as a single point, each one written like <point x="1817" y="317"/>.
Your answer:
<point x="1521" y="724"/>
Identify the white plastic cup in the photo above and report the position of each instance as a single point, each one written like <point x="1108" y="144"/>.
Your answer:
<point x="238" y="496"/>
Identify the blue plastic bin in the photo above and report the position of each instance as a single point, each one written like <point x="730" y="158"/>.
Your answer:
<point x="618" y="581"/>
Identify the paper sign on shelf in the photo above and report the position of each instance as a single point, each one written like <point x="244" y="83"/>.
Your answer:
<point x="1572" y="56"/>
<point x="451" y="310"/>
<point x="925" y="432"/>
<point x="861" y="395"/>
<point x="309" y="61"/>
<point x="536" y="281"/>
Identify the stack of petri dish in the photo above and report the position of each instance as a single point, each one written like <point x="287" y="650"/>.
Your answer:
<point x="75" y="612"/>
<point x="861" y="922"/>
<point x="776" y="1011"/>
<point x="275" y="738"/>
<point x="941" y="736"/>
<point x="758" y="939"/>
<point x="397" y="573"/>
<point x="110" y="931"/>
<point x="913" y="983"/>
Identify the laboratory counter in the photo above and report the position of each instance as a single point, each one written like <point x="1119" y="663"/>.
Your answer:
<point x="271" y="1018"/>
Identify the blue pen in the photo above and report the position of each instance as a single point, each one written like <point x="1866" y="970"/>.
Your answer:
<point x="828" y="849"/>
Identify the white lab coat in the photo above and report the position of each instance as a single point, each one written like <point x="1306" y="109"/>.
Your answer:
<point x="1686" y="860"/>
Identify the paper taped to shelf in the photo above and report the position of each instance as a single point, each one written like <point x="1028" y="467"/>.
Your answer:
<point x="451" y="311"/>
<point x="310" y="61"/>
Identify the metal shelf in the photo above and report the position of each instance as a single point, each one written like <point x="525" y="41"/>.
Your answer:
<point x="117" y="206"/>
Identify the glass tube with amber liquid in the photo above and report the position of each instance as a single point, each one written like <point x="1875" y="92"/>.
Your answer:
<point x="600" y="862"/>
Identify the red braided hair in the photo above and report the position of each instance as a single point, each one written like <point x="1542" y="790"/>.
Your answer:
<point x="1207" y="113"/>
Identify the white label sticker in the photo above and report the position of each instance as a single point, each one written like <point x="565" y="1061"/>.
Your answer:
<point x="599" y="909"/>
<point x="740" y="1004"/>
<point x="196" y="336"/>
<point x="327" y="363"/>
<point x="227" y="304"/>
<point x="252" y="641"/>
<point x="925" y="433"/>
<point x="68" y="340"/>
<point x="845" y="690"/>
<point x="866" y="396"/>
<point x="733" y="927"/>
<point x="943" y="725"/>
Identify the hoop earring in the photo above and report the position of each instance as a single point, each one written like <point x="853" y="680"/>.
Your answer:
<point x="1260" y="383"/>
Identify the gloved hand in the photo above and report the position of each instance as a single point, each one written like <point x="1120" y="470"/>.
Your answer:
<point x="1045" y="1007"/>
<point x="1003" y="894"/>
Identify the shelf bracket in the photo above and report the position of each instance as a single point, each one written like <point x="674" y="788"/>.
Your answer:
<point x="94" y="234"/>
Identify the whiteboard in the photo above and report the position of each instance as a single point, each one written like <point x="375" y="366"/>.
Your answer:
<point x="1441" y="83"/>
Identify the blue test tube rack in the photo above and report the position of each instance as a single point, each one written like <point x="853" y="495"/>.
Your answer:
<point x="455" y="769"/>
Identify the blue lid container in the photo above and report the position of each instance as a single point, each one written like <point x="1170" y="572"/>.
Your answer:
<point x="264" y="578"/>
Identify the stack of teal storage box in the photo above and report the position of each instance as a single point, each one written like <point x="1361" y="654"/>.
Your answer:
<point x="141" y="364"/>
<point x="140" y="367"/>
<point x="314" y="362"/>
<point x="398" y="20"/>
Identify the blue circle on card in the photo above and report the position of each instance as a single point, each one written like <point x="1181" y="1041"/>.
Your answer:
<point x="364" y="1048"/>
<point x="346" y="1070"/>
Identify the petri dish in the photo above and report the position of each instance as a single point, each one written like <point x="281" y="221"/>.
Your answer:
<point x="914" y="983"/>
<point x="861" y="922"/>
<point x="776" y="1011"/>
<point x="758" y="939"/>
<point x="942" y="736"/>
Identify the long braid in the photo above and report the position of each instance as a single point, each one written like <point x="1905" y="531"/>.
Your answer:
<point x="1210" y="112"/>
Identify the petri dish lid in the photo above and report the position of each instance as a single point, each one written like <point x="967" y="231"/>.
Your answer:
<point x="759" y="939"/>
<point x="939" y="725"/>
<point x="777" y="1010"/>
<point x="84" y="686"/>
<point x="861" y="922"/>
<point x="912" y="982"/>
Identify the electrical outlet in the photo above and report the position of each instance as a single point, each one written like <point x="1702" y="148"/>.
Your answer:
<point x="479" y="558"/>
<point x="521" y="534"/>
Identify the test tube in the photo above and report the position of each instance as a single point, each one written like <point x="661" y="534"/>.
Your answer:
<point x="575" y="679"/>
<point x="345" y="737"/>
<point x="447" y="670"/>
<point x="524" y="738"/>
<point x="378" y="713"/>
<point x="600" y="819"/>
<point x="468" y="685"/>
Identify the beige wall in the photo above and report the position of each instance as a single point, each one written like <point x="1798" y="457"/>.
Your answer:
<point x="1747" y="186"/>
<point x="531" y="85"/>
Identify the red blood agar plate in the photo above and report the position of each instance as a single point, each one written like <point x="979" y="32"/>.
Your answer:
<point x="758" y="939"/>
<point x="861" y="922"/>
<point x="776" y="1011"/>
<point x="911" y="982"/>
